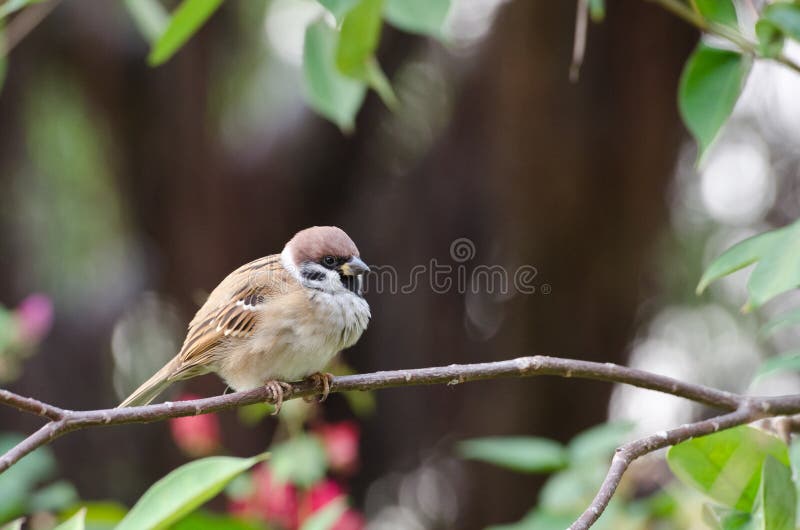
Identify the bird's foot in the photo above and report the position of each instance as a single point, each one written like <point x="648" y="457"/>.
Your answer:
<point x="321" y="380"/>
<point x="277" y="390"/>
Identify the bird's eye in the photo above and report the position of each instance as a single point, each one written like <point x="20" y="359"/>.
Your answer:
<point x="329" y="261"/>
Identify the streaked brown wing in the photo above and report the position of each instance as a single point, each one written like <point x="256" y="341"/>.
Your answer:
<point x="233" y="308"/>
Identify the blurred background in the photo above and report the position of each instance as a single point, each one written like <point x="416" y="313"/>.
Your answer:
<point x="128" y="192"/>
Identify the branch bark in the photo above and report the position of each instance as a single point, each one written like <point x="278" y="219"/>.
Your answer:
<point x="737" y="409"/>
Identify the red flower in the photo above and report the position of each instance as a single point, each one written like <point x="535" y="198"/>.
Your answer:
<point x="276" y="501"/>
<point x="320" y="494"/>
<point x="341" y="445"/>
<point x="196" y="435"/>
<point x="34" y="317"/>
<point x="323" y="493"/>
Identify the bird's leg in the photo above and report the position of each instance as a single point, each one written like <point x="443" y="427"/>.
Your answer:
<point x="320" y="380"/>
<point x="277" y="391"/>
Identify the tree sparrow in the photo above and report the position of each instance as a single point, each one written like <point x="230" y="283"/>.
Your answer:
<point x="278" y="318"/>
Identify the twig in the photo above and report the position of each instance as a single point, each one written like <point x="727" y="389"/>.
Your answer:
<point x="24" y="23"/>
<point x="683" y="11"/>
<point x="739" y="409"/>
<point x="579" y="40"/>
<point x="30" y="405"/>
<point x="629" y="452"/>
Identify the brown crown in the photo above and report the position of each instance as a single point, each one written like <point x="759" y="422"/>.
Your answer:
<point x="312" y="244"/>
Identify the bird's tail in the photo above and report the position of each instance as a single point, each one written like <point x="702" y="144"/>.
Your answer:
<point x="151" y="388"/>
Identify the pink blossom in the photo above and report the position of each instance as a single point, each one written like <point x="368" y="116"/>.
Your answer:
<point x="34" y="317"/>
<point x="341" y="445"/>
<point x="276" y="501"/>
<point x="323" y="493"/>
<point x="196" y="435"/>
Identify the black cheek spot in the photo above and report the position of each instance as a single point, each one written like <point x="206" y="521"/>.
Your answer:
<point x="312" y="275"/>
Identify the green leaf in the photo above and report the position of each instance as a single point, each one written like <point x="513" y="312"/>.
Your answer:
<point x="100" y="515"/>
<point x="770" y="39"/>
<point x="12" y="6"/>
<point x="719" y="11"/>
<point x="722" y="518"/>
<point x="777" y="500"/>
<point x="726" y="465"/>
<point x="710" y="85"/>
<point x="328" y="91"/>
<point x="325" y="518"/>
<point x="76" y="522"/>
<point x="338" y="8"/>
<point x="149" y="16"/>
<point x="53" y="497"/>
<point x="788" y="362"/>
<point x="207" y="520"/>
<point x="784" y="16"/>
<point x="183" y="490"/>
<point x="418" y="16"/>
<point x="17" y="482"/>
<point x="598" y="442"/>
<point x="361" y="31"/>
<point x="300" y="460"/>
<point x="527" y="454"/>
<point x="378" y="81"/>
<point x="597" y="10"/>
<point x="739" y="256"/>
<point x="185" y="21"/>
<point x="778" y="270"/>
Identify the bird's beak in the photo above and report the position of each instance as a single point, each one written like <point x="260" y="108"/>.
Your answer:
<point x="354" y="267"/>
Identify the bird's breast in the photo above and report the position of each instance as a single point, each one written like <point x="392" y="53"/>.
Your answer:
<point x="297" y="338"/>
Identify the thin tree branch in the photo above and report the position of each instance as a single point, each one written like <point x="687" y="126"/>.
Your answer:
<point x="626" y="454"/>
<point x="30" y="405"/>
<point x="24" y="23"/>
<point x="738" y="409"/>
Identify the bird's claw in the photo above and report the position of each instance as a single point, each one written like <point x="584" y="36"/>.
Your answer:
<point x="320" y="380"/>
<point x="277" y="389"/>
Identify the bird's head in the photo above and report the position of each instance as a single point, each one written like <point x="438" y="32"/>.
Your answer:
<point x="325" y="258"/>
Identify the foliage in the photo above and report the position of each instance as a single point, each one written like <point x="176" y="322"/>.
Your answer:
<point x="295" y="490"/>
<point x="778" y="21"/>
<point x="338" y="60"/>
<point x="746" y="470"/>
<point x="581" y="465"/>
<point x="28" y="486"/>
<point x="183" y="490"/>
<point x="777" y="271"/>
<point x="523" y="453"/>
<point x="727" y="465"/>
<point x="184" y="22"/>
<point x="710" y="85"/>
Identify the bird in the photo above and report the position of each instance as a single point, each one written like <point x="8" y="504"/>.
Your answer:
<point x="278" y="318"/>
